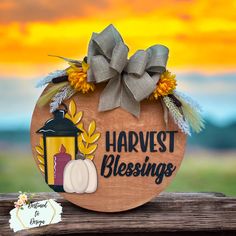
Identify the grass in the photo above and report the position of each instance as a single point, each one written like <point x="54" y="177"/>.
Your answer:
<point x="18" y="172"/>
<point x="199" y="172"/>
<point x="207" y="172"/>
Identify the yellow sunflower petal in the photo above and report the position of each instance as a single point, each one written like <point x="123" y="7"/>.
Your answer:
<point x="166" y="85"/>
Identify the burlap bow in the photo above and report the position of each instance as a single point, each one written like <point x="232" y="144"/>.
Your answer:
<point x="130" y="81"/>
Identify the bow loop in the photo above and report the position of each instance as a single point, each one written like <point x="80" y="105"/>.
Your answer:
<point x="129" y="81"/>
<point x="137" y="63"/>
<point x="158" y="56"/>
<point x="119" y="57"/>
<point x="107" y="40"/>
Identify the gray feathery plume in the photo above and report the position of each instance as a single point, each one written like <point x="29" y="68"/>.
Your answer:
<point x="65" y="93"/>
<point x="49" y="77"/>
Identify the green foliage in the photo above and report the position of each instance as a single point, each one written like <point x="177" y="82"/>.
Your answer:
<point x="199" y="172"/>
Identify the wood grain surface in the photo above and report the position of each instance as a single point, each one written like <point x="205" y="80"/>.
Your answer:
<point x="118" y="193"/>
<point x="180" y="213"/>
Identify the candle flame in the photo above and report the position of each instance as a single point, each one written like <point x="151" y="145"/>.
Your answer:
<point x="62" y="149"/>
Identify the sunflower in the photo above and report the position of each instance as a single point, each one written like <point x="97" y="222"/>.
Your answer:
<point x="77" y="76"/>
<point x="166" y="85"/>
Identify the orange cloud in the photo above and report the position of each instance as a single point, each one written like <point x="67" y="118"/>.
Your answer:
<point x="201" y="35"/>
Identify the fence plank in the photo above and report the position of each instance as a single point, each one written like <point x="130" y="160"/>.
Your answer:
<point x="170" y="212"/>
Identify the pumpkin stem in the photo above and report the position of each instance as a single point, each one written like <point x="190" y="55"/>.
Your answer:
<point x="80" y="156"/>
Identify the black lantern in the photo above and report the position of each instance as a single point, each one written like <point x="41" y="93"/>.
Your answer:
<point x="60" y="146"/>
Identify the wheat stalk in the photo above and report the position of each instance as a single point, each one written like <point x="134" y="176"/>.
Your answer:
<point x="65" y="93"/>
<point x="87" y="140"/>
<point x="40" y="155"/>
<point x="176" y="115"/>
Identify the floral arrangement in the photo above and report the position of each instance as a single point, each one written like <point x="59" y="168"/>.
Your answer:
<point x="22" y="200"/>
<point x="129" y="81"/>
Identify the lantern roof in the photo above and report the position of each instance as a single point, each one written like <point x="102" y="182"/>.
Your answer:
<point x="59" y="126"/>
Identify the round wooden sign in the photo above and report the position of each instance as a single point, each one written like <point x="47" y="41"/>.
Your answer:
<point x="106" y="161"/>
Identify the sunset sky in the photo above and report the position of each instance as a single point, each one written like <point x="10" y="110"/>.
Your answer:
<point x="201" y="36"/>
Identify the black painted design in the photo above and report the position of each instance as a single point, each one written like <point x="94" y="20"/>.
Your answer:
<point x="131" y="141"/>
<point x="59" y="126"/>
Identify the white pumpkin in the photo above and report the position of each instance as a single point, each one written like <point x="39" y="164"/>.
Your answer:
<point x="93" y="182"/>
<point x="67" y="185"/>
<point x="80" y="176"/>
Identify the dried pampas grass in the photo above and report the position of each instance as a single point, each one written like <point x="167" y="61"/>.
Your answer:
<point x="50" y="77"/>
<point x="191" y="111"/>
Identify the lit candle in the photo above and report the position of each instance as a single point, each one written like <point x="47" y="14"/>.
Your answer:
<point x="60" y="161"/>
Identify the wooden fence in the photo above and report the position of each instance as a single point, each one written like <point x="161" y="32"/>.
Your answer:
<point x="168" y="214"/>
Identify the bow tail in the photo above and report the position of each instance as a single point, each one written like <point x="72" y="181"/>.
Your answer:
<point x="128" y="102"/>
<point x="111" y="96"/>
<point x="135" y="90"/>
